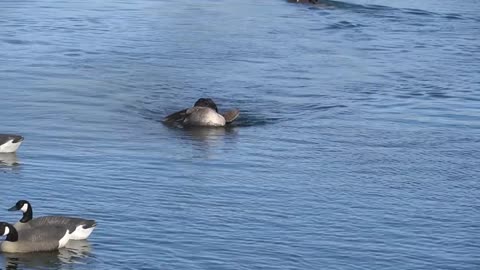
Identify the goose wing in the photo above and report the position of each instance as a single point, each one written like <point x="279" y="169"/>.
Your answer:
<point x="68" y="223"/>
<point x="231" y="115"/>
<point x="177" y="117"/>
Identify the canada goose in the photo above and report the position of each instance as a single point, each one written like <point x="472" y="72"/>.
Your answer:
<point x="79" y="228"/>
<point x="10" y="143"/>
<point x="304" y="1"/>
<point x="41" y="238"/>
<point x="203" y="113"/>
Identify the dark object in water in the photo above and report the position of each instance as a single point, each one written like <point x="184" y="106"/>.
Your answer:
<point x="304" y="1"/>
<point x="204" y="113"/>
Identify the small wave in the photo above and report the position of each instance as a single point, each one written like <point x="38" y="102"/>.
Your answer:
<point x="15" y="41"/>
<point x="22" y="42"/>
<point x="344" y="25"/>
<point x="249" y="120"/>
<point x="149" y="114"/>
<point x="458" y="17"/>
<point x="327" y="4"/>
<point x="380" y="10"/>
<point x="438" y="95"/>
<point x="318" y="107"/>
<point x="418" y="12"/>
<point x="453" y="16"/>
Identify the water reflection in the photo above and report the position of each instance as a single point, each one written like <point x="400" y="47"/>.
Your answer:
<point x="8" y="160"/>
<point x="74" y="252"/>
<point x="209" y="134"/>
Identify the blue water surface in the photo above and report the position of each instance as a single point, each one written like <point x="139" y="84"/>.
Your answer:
<point x="357" y="146"/>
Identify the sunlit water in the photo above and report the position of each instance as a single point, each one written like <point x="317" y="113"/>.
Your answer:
<point x="357" y="147"/>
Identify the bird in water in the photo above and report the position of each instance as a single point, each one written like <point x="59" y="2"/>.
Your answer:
<point x="42" y="238"/>
<point x="78" y="228"/>
<point x="304" y="1"/>
<point x="317" y="3"/>
<point x="204" y="113"/>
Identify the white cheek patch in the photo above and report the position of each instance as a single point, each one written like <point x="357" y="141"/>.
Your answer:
<point x="7" y="231"/>
<point x="24" y="208"/>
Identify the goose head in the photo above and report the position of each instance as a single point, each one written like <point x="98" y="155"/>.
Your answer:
<point x="9" y="231"/>
<point x="206" y="102"/>
<point x="25" y="207"/>
<point x="4" y="230"/>
<point x="21" y="205"/>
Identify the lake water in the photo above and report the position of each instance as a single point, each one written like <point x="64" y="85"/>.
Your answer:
<point x="357" y="146"/>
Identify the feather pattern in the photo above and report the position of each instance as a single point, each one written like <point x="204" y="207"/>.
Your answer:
<point x="69" y="223"/>
<point x="43" y="238"/>
<point x="73" y="225"/>
<point x="176" y="117"/>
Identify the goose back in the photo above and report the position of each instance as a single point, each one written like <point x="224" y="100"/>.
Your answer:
<point x="79" y="228"/>
<point x="203" y="116"/>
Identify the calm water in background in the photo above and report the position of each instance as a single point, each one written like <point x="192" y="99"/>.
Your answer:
<point x="357" y="147"/>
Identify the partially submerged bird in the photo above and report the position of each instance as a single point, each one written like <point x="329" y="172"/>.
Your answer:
<point x="9" y="143"/>
<point x="304" y="1"/>
<point x="42" y="238"/>
<point x="78" y="228"/>
<point x="317" y="3"/>
<point x="204" y="113"/>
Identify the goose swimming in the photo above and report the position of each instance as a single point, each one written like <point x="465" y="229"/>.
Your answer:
<point x="316" y="3"/>
<point x="9" y="143"/>
<point x="204" y="113"/>
<point x="78" y="228"/>
<point x="42" y="238"/>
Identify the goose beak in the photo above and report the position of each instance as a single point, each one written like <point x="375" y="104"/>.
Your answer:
<point x="13" y="208"/>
